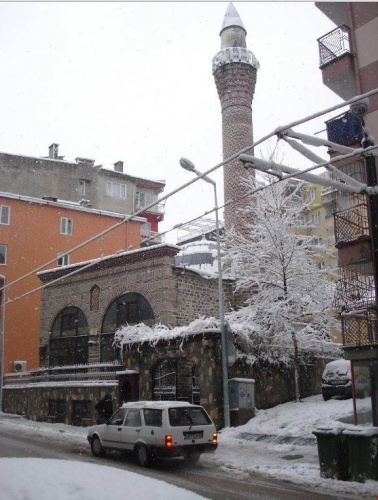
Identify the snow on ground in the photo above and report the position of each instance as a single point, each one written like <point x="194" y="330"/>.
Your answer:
<point x="43" y="479"/>
<point x="276" y="443"/>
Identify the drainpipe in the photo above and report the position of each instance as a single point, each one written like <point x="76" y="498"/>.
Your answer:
<point x="356" y="66"/>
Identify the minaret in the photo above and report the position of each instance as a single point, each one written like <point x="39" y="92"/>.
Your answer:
<point x="234" y="70"/>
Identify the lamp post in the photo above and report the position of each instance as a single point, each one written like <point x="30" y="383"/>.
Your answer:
<point x="188" y="165"/>
<point x="2" y="335"/>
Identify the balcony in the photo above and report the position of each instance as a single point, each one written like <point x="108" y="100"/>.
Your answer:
<point x="335" y="11"/>
<point x="159" y="208"/>
<point x="336" y="62"/>
<point x="359" y="330"/>
<point x="345" y="129"/>
<point x="150" y="238"/>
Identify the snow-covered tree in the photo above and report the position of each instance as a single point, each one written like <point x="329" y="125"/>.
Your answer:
<point x="276" y="262"/>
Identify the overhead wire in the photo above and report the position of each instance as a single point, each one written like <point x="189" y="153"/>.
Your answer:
<point x="275" y="132"/>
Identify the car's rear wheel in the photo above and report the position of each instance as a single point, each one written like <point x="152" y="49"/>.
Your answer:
<point x="192" y="458"/>
<point x="143" y="456"/>
<point x="326" y="397"/>
<point x="97" y="449"/>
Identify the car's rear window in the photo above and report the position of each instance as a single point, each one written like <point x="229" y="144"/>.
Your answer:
<point x="188" y="416"/>
<point x="153" y="417"/>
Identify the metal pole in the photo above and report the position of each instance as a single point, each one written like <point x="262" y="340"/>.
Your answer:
<point x="2" y="333"/>
<point x="226" y="404"/>
<point x="188" y="165"/>
<point x="371" y="179"/>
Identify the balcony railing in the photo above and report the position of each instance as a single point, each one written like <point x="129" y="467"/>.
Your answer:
<point x="334" y="44"/>
<point x="159" y="208"/>
<point x="151" y="238"/>
<point x="344" y="129"/>
<point x="69" y="374"/>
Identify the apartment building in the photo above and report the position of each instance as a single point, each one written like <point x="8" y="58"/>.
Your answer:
<point x="82" y="181"/>
<point x="35" y="232"/>
<point x="349" y="66"/>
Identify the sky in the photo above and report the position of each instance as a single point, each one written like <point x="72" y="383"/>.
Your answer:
<point x="132" y="81"/>
<point x="238" y="453"/>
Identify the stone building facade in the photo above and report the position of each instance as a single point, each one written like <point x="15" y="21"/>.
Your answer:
<point x="186" y="366"/>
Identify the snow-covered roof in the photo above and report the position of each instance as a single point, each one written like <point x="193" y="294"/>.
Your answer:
<point x="71" y="205"/>
<point x="110" y="257"/>
<point x="134" y="177"/>
<point x="43" y="158"/>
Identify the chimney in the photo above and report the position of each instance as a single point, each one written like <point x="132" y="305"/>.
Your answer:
<point x="86" y="161"/>
<point x="53" y="151"/>
<point x="118" y="166"/>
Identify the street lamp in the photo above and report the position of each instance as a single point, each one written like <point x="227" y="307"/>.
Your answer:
<point x="188" y="165"/>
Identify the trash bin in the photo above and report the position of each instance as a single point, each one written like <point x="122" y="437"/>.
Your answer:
<point x="333" y="453"/>
<point x="362" y="445"/>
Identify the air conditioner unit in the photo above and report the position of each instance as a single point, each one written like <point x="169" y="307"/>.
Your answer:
<point x="19" y="366"/>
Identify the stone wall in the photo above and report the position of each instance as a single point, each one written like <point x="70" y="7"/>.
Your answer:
<point x="32" y="401"/>
<point x="202" y="350"/>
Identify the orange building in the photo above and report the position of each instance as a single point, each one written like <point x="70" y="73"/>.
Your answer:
<point x="34" y="232"/>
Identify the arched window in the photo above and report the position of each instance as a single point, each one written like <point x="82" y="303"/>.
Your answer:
<point x="95" y="298"/>
<point x="69" y="338"/>
<point x="128" y="309"/>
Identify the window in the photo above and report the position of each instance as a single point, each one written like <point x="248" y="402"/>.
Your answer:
<point x="300" y="220"/>
<point x="144" y="198"/>
<point x="95" y="298"/>
<point x="63" y="260"/>
<point x="3" y="255"/>
<point x="118" y="417"/>
<point x="128" y="309"/>
<point x="69" y="338"/>
<point x="4" y="214"/>
<point x="133" y="419"/>
<point x="152" y="417"/>
<point x="179" y="417"/>
<point x="115" y="189"/>
<point x="145" y="229"/>
<point x="312" y="195"/>
<point x="81" y="187"/>
<point x="315" y="218"/>
<point x="66" y="225"/>
<point x="317" y="241"/>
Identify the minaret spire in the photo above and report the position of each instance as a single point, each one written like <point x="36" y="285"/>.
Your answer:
<point x="232" y="19"/>
<point x="235" y="70"/>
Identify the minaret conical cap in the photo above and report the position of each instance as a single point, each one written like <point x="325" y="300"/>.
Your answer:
<point x="232" y="19"/>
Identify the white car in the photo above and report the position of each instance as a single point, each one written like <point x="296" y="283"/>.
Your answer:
<point x="154" y="429"/>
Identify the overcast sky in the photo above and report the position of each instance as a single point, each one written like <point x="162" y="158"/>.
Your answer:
<point x="133" y="81"/>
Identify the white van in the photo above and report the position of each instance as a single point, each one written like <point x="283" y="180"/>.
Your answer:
<point x="154" y="429"/>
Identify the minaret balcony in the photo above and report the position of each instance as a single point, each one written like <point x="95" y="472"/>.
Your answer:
<point x="336" y="62"/>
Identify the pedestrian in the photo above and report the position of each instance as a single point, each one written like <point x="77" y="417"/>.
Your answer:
<point x="104" y="409"/>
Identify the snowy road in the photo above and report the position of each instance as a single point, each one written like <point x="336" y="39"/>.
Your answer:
<point x="205" y="481"/>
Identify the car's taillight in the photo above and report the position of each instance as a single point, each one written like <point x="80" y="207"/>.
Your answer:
<point x="168" y="440"/>
<point x="215" y="438"/>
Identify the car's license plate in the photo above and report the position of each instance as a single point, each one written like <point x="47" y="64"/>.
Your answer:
<point x="193" y="435"/>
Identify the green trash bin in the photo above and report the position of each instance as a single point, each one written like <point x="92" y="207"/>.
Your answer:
<point x="333" y="453"/>
<point x="362" y="444"/>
